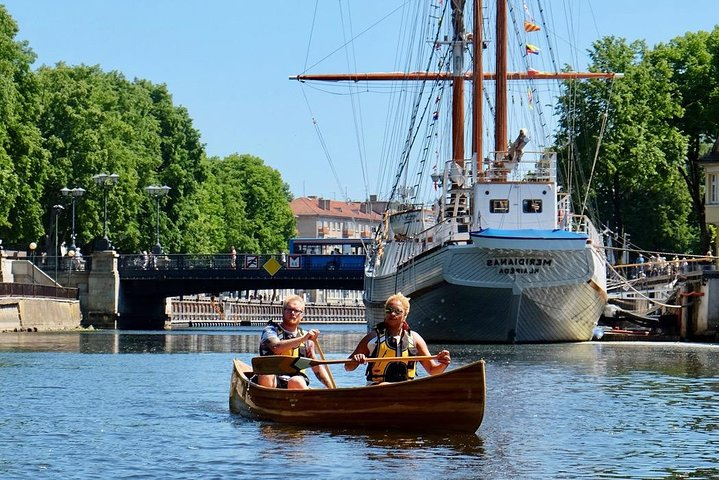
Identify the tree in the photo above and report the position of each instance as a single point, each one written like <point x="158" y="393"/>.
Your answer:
<point x="636" y="178"/>
<point x="61" y="125"/>
<point x="97" y="122"/>
<point x="23" y="160"/>
<point x="256" y="202"/>
<point x="694" y="63"/>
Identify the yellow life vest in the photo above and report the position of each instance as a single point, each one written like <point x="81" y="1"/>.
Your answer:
<point x="378" y="372"/>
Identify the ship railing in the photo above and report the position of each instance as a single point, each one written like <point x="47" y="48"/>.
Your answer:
<point x="531" y="166"/>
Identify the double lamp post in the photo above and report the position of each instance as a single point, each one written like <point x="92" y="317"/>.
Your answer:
<point x="104" y="181"/>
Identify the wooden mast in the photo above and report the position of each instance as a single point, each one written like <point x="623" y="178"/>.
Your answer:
<point x="458" y="82"/>
<point x="477" y="87"/>
<point x="500" y="121"/>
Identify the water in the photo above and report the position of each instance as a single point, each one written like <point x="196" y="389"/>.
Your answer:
<point x="138" y="405"/>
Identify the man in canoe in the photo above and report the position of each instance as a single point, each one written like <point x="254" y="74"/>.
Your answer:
<point x="287" y="338"/>
<point x="393" y="338"/>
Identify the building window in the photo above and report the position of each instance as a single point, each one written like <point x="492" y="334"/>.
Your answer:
<point x="713" y="194"/>
<point x="532" y="205"/>
<point x="497" y="205"/>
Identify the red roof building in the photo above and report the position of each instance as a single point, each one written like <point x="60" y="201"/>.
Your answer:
<point x="323" y="218"/>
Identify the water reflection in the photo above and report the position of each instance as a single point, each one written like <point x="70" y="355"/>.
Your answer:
<point x="390" y="444"/>
<point x="240" y="341"/>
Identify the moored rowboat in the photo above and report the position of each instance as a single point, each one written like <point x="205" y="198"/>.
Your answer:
<point x="450" y="402"/>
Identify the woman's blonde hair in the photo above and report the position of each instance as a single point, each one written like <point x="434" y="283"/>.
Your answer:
<point x="398" y="297"/>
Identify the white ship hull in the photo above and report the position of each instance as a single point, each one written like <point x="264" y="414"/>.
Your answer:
<point x="524" y="291"/>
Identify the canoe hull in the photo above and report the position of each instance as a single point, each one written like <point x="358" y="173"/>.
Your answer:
<point x="451" y="402"/>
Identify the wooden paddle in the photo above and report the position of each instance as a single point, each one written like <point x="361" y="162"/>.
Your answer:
<point x="285" y="364"/>
<point x="322" y="356"/>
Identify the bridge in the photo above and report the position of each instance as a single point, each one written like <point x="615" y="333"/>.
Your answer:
<point x="130" y="289"/>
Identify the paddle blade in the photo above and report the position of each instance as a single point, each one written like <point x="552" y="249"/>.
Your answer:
<point x="280" y="364"/>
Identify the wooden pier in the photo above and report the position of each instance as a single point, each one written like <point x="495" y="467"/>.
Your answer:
<point x="234" y="312"/>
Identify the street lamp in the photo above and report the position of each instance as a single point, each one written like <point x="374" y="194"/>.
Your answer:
<point x="74" y="193"/>
<point x="105" y="181"/>
<point x="58" y="209"/>
<point x="157" y="191"/>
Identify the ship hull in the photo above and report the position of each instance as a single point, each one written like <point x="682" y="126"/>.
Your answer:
<point x="540" y="291"/>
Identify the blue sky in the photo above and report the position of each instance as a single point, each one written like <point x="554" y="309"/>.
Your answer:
<point x="228" y="62"/>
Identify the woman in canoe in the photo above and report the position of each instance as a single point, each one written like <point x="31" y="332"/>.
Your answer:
<point x="287" y="338"/>
<point x="393" y="338"/>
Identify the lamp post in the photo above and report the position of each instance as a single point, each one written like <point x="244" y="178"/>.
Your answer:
<point x="106" y="182"/>
<point x="58" y="209"/>
<point x="74" y="194"/>
<point x="157" y="191"/>
<point x="33" y="246"/>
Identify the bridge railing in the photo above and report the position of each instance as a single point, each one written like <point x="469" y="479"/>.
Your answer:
<point x="35" y="290"/>
<point x="138" y="262"/>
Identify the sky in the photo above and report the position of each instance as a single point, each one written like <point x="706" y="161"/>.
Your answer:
<point x="228" y="63"/>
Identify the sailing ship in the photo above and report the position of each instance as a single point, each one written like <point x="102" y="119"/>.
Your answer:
<point x="500" y="256"/>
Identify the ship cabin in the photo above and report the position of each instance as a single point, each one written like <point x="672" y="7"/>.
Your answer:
<point x="519" y="195"/>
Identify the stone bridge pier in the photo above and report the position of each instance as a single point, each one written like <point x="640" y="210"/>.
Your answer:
<point x="103" y="288"/>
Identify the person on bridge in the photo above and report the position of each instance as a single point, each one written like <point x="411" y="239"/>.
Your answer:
<point x="287" y="338"/>
<point x="393" y="338"/>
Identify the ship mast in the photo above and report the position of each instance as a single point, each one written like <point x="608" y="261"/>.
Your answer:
<point x="500" y="122"/>
<point x="458" y="82"/>
<point x="476" y="76"/>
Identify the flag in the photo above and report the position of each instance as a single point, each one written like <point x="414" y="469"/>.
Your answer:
<point x="532" y="71"/>
<point x="531" y="27"/>
<point x="532" y="49"/>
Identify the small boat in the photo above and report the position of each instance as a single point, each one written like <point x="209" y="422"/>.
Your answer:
<point x="450" y="402"/>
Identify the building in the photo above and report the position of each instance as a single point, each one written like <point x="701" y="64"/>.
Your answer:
<point x="323" y="218"/>
<point x="318" y="217"/>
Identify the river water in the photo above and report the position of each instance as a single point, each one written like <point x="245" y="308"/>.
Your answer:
<point x="133" y="405"/>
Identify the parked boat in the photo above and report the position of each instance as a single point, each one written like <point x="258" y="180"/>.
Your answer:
<point x="504" y="258"/>
<point x="450" y="402"/>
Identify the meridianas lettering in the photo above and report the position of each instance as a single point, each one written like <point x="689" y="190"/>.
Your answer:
<point x="521" y="262"/>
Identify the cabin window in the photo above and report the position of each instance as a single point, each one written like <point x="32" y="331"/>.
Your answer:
<point x="497" y="205"/>
<point x="532" y="205"/>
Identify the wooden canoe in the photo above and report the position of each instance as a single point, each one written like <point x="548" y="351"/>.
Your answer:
<point x="450" y="402"/>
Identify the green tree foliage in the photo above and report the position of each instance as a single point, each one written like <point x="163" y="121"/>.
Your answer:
<point x="256" y="202"/>
<point x="97" y="122"/>
<point x="694" y="63"/>
<point x="23" y="160"/>
<point x="61" y="125"/>
<point x="633" y="180"/>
